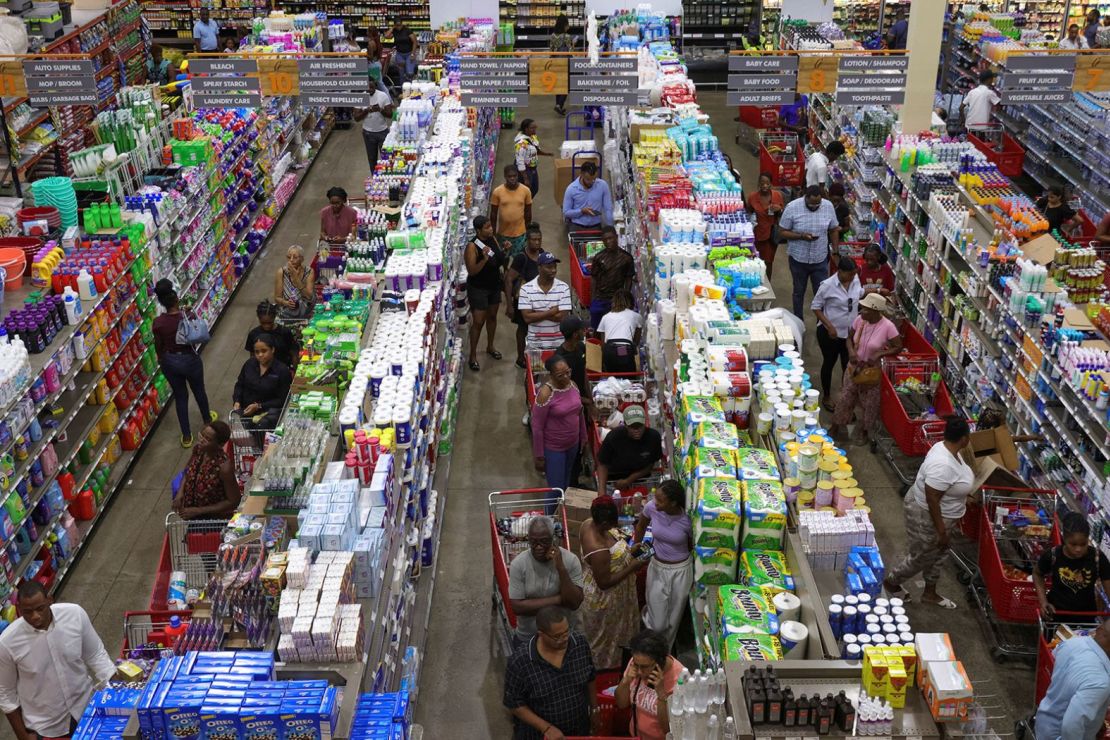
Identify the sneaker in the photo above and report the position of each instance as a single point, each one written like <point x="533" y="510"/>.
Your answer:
<point x="526" y="418"/>
<point x="213" y="416"/>
<point x="186" y="440"/>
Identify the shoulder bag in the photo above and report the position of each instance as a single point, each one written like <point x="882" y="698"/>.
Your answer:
<point x="866" y="376"/>
<point x="192" y="330"/>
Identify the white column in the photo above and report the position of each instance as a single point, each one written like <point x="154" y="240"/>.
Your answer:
<point x="924" y="43"/>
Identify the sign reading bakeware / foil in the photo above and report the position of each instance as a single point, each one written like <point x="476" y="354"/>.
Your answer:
<point x="871" y="79"/>
<point x="336" y="82"/>
<point x="61" y="82"/>
<point x="612" y="81"/>
<point x="1037" y="78"/>
<point x="494" y="82"/>
<point x="225" y="83"/>
<point x="762" y="80"/>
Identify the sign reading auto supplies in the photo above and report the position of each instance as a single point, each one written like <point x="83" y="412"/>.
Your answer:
<point x="762" y="80"/>
<point x="494" y="82"/>
<point x="612" y="81"/>
<point x="867" y="79"/>
<point x="61" y="82"/>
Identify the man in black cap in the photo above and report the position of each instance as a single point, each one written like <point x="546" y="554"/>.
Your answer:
<point x="573" y="350"/>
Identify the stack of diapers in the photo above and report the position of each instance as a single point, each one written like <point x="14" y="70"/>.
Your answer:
<point x="764" y="515"/>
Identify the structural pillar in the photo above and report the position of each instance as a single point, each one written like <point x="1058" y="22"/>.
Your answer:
<point x="925" y="39"/>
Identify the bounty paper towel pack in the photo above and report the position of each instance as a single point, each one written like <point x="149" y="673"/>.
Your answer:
<point x="712" y="463"/>
<point x="717" y="513"/>
<point x="756" y="464"/>
<point x="746" y="610"/>
<point x="764" y="507"/>
<point x="751" y="648"/>
<point x="766" y="568"/>
<point x="714" y="566"/>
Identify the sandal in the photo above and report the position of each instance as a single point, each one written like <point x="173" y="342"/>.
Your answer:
<point x="944" y="603"/>
<point x="520" y="363"/>
<point x="473" y="365"/>
<point x="494" y="354"/>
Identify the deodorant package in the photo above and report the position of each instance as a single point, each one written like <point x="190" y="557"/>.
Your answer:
<point x="767" y="568"/>
<point x="714" y="566"/>
<point x="746" y="610"/>
<point x="764" y="515"/>
<point x="751" y="648"/>
<point x="756" y="464"/>
<point x="717" y="513"/>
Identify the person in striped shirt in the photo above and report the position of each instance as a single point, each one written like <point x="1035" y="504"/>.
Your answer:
<point x="543" y="303"/>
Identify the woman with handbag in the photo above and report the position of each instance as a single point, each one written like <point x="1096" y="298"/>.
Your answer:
<point x="295" y="286"/>
<point x="872" y="337"/>
<point x="767" y="204"/>
<point x="835" y="306"/>
<point x="181" y="364"/>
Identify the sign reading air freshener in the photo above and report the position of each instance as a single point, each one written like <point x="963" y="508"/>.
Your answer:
<point x="612" y="81"/>
<point x="867" y="79"/>
<point x="61" y="82"/>
<point x="336" y="82"/>
<point x="762" y="80"/>
<point x="494" y="82"/>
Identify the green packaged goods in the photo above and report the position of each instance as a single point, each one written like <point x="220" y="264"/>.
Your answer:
<point x="751" y="648"/>
<point x="717" y="515"/>
<point x="717" y="435"/>
<point x="714" y="565"/>
<point x="711" y="463"/>
<point x="745" y="610"/>
<point x="764" y="515"/>
<point x="696" y="409"/>
<point x="756" y="464"/>
<point x="766" y="568"/>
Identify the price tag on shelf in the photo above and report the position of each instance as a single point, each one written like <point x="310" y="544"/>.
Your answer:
<point x="548" y="76"/>
<point x="817" y="74"/>
<point x="487" y="79"/>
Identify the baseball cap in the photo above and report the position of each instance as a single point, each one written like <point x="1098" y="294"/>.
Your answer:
<point x="570" y="325"/>
<point x="634" y="415"/>
<point x="547" y="258"/>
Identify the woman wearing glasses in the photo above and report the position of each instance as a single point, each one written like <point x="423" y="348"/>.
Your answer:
<point x="836" y="305"/>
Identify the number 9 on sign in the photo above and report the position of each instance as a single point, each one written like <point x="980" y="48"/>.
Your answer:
<point x="547" y="76"/>
<point x="548" y="80"/>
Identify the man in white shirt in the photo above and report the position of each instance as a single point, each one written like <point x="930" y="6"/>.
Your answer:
<point x="543" y="303"/>
<point x="817" y="166"/>
<point x="978" y="104"/>
<point x="375" y="122"/>
<point x="51" y="660"/>
<point x="1073" y="40"/>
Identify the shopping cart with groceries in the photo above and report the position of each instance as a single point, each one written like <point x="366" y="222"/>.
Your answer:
<point x="584" y="244"/>
<point x="781" y="156"/>
<point x="914" y="404"/>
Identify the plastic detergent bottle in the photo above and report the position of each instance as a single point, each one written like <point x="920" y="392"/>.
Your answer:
<point x="175" y="630"/>
<point x="86" y="285"/>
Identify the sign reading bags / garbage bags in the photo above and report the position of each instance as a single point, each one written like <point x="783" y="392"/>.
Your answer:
<point x="60" y="82"/>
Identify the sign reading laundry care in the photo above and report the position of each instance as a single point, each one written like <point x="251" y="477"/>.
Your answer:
<point x="869" y="79"/>
<point x="496" y="81"/>
<point x="61" y="82"/>
<point x="762" y="80"/>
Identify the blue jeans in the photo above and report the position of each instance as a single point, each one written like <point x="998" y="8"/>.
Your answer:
<point x="598" y="308"/>
<point x="800" y="272"/>
<point x="558" y="465"/>
<point x="185" y="370"/>
<point x="404" y="66"/>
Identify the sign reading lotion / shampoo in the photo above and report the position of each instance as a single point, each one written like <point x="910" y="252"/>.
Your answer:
<point x="61" y="82"/>
<point x="494" y="82"/>
<point x="762" y="80"/>
<point x="871" y="79"/>
<point x="612" y="81"/>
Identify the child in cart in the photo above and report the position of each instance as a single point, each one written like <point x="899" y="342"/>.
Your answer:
<point x="1075" y="568"/>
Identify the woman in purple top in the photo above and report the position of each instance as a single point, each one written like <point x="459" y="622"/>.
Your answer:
<point x="558" y="426"/>
<point x="671" y="572"/>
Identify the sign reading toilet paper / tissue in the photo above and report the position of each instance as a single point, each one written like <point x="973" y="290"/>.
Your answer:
<point x="497" y="82"/>
<point x="762" y="80"/>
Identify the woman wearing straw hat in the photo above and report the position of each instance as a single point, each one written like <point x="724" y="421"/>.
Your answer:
<point x="872" y="337"/>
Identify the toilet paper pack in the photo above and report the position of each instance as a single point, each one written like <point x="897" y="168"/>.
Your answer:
<point x="745" y="610"/>
<point x="764" y="507"/>
<point x="717" y="514"/>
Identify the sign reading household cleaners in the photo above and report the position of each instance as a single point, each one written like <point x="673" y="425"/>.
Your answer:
<point x="762" y="80"/>
<point x="612" y="81"/>
<point x="61" y="82"/>
<point x="494" y="82"/>
<point x="1035" y="79"/>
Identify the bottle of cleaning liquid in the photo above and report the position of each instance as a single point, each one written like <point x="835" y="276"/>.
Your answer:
<point x="86" y="285"/>
<point x="175" y="630"/>
<point x="72" y="303"/>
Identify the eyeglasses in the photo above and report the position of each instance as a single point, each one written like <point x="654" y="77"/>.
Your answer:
<point x="540" y="541"/>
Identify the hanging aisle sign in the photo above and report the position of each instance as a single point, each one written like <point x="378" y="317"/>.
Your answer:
<point x="225" y="83"/>
<point x="61" y="82"/>
<point x="762" y="80"/>
<point x="335" y="82"/>
<point x="1033" y="79"/>
<point x="612" y="81"/>
<point x="494" y="82"/>
<point x="871" y="79"/>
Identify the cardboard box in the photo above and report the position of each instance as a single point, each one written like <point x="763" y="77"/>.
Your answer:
<point x="593" y="356"/>
<point x="992" y="457"/>
<point x="947" y="690"/>
<point x="576" y="503"/>
<point x="563" y="174"/>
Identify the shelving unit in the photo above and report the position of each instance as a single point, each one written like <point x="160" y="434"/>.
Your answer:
<point x="534" y="19"/>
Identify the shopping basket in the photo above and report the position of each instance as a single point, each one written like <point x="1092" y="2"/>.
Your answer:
<point x="509" y="513"/>
<point x="1000" y="148"/>
<point x="1008" y="550"/>
<point x="194" y="545"/>
<point x="909" y="386"/>
<point x="780" y="155"/>
<point x="143" y="631"/>
<point x="579" y="263"/>
<point x="759" y="116"/>
<point x="971" y="523"/>
<point x="613" y="721"/>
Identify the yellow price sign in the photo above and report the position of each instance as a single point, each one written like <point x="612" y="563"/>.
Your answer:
<point x="548" y="76"/>
<point x="12" y="81"/>
<point x="279" y="77"/>
<point x="1092" y="73"/>
<point x="817" y="74"/>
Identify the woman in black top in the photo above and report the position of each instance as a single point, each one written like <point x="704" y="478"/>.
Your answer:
<point x="1075" y="567"/>
<point x="484" y="259"/>
<point x="524" y="268"/>
<point x="267" y="324"/>
<point x="1056" y="210"/>
<point x="262" y="387"/>
<point x="181" y="364"/>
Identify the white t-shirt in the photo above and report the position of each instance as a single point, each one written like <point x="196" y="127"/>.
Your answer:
<point x="620" y="325"/>
<point x="817" y="169"/>
<point x="374" y="120"/>
<point x="946" y="472"/>
<point x="1079" y="43"/>
<point x="978" y="105"/>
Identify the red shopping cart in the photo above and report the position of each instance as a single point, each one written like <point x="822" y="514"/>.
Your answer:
<point x="1046" y="657"/>
<point x="781" y="155"/>
<point x="583" y="244"/>
<point x="910" y="386"/>
<point x="1000" y="148"/>
<point x="144" y="633"/>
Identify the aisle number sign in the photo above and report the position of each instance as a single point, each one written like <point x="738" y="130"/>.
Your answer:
<point x="817" y="74"/>
<point x="762" y="80"/>
<point x="868" y="79"/>
<point x="60" y="82"/>
<point x="1092" y="73"/>
<point x="548" y="76"/>
<point x="225" y="83"/>
<point x="494" y="82"/>
<point x="612" y="81"/>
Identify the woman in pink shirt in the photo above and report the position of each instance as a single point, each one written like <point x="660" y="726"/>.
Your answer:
<point x="558" y="426"/>
<point x="647" y="685"/>
<point x="873" y="337"/>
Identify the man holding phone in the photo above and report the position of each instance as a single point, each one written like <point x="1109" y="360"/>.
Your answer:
<point x="546" y="575"/>
<point x="376" y="121"/>
<point x="812" y="233"/>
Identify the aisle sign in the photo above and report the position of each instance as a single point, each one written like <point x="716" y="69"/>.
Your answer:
<point x="223" y="67"/>
<point x="1092" y="73"/>
<point x="1034" y="79"/>
<point x="279" y="77"/>
<point x="612" y="81"/>
<point x="60" y="82"/>
<point x="494" y="82"/>
<point x="817" y="74"/>
<point x="869" y="79"/>
<point x="12" y="81"/>
<point x="227" y="100"/>
<point x="762" y="80"/>
<point x="548" y="76"/>
<point x="334" y="82"/>
<point x="225" y="83"/>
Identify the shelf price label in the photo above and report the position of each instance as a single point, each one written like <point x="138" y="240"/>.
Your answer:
<point x="817" y="74"/>
<point x="548" y="76"/>
<point x="59" y="82"/>
<point x="762" y="80"/>
<point x="495" y="82"/>
<point x="613" y="81"/>
<point x="865" y="79"/>
<point x="1092" y="73"/>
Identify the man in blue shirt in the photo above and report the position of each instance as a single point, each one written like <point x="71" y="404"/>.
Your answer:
<point x="1074" y="708"/>
<point x="587" y="203"/>
<point x="1090" y="31"/>
<point x="811" y="231"/>
<point x="206" y="32"/>
<point x="896" y="35"/>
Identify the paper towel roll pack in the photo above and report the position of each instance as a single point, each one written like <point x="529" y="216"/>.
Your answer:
<point x="794" y="637"/>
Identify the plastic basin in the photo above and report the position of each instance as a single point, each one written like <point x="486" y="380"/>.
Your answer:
<point x="13" y="274"/>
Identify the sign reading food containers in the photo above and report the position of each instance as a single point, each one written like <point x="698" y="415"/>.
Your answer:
<point x="869" y="79"/>
<point x="494" y="82"/>
<point x="60" y="82"/>
<point x="612" y="81"/>
<point x="762" y="80"/>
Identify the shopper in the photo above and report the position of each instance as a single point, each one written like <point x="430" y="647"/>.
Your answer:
<point x="611" y="271"/>
<point x="373" y="57"/>
<point x="376" y="120"/>
<point x="206" y="32"/>
<point x="1090" y="31"/>
<point x="898" y="34"/>
<point x="338" y="221"/>
<point x="158" y="68"/>
<point x="528" y="153"/>
<point x="619" y="333"/>
<point x="181" y="364"/>
<point x="978" y="105"/>
<point x="1073" y="40"/>
<point x="1102" y="233"/>
<point x="1075" y="568"/>
<point x="875" y="275"/>
<point x="523" y="268"/>
<point x="573" y="350"/>
<point x="766" y="204"/>
<point x="560" y="42"/>
<point x="262" y="387"/>
<point x="1057" y="212"/>
<point x="404" y="45"/>
<point x="809" y="226"/>
<point x="546" y="575"/>
<point x="558" y="425"/>
<point x="610" y="614"/>
<point x="1078" y="696"/>
<point x="484" y="283"/>
<point x="817" y="166"/>
<point x="284" y="343"/>
<point x="629" y="453"/>
<point x="208" y="487"/>
<point x="550" y="682"/>
<point x="841" y="209"/>
<point x="647" y="684"/>
<point x="933" y="508"/>
<point x="587" y="202"/>
<point x="543" y="303"/>
<point x="510" y="210"/>
<point x="871" y="338"/>
<point x="51" y="661"/>
<point x="671" y="572"/>
<point x="295" y="285"/>
<point x="1102" y="36"/>
<point x="836" y="306"/>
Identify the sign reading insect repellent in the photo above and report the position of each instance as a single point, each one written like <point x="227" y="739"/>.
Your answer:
<point x="1033" y="79"/>
<point x="60" y="82"/>
<point x="612" y="81"/>
<point x="494" y="82"/>
<point x="867" y="79"/>
<point x="337" y="82"/>
<point x="762" y="80"/>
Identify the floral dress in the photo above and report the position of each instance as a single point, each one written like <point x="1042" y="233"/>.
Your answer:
<point x="610" y="618"/>
<point x="201" y="485"/>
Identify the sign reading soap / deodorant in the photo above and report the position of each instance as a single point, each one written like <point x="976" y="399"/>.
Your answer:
<point x="612" y="81"/>
<point x="762" y="80"/>
<point x="61" y="82"/>
<point x="866" y="79"/>
<point x="494" y="82"/>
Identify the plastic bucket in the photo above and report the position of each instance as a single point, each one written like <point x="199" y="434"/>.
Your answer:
<point x="13" y="274"/>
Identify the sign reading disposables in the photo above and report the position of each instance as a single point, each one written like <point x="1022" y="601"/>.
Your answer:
<point x="762" y="80"/>
<point x="61" y="82"/>
<point x="612" y="81"/>
<point x="866" y="79"/>
<point x="494" y="82"/>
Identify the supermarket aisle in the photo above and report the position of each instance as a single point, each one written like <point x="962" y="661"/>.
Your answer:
<point x="117" y="569"/>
